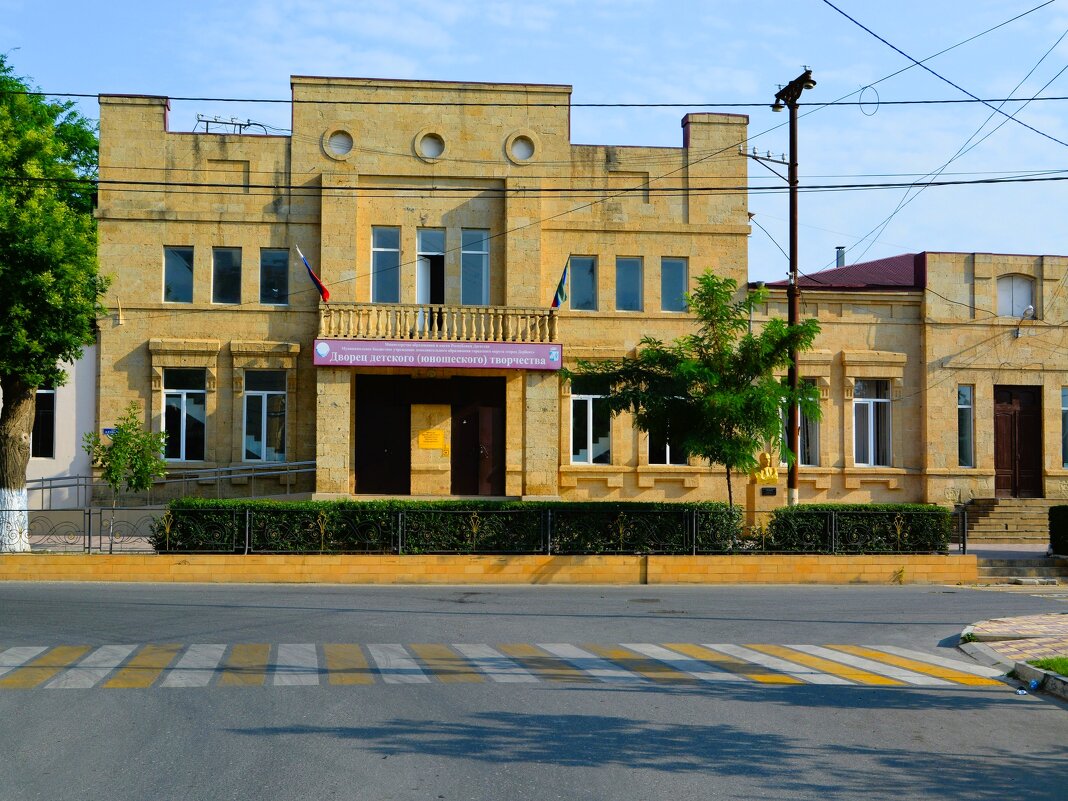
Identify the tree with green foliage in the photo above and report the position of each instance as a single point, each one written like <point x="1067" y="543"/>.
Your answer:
<point x="50" y="291"/>
<point x="130" y="460"/>
<point x="713" y="393"/>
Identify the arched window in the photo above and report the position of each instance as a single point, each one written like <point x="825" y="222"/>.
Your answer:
<point x="1015" y="294"/>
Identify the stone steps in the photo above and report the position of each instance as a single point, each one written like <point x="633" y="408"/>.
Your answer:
<point x="1023" y="571"/>
<point x="1009" y="520"/>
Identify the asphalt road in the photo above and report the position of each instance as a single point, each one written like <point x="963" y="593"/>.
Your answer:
<point x="593" y="739"/>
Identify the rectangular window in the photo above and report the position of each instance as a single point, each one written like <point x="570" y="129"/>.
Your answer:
<point x="808" y="436"/>
<point x="673" y="283"/>
<point x="474" y="268"/>
<point x="628" y="284"/>
<point x="265" y="415"/>
<point x="966" y="425"/>
<point x="871" y="423"/>
<point x="430" y="279"/>
<point x="184" y="413"/>
<point x="591" y="423"/>
<point x="385" y="265"/>
<point x="583" y="294"/>
<point x="43" y="436"/>
<point x="274" y="277"/>
<point x="661" y="451"/>
<point x="1064" y="426"/>
<point x="226" y="275"/>
<point x="178" y="275"/>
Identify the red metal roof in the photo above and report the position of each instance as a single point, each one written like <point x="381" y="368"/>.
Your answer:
<point x="907" y="271"/>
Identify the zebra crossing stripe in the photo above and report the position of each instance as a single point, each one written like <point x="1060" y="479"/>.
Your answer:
<point x="44" y="667"/>
<point x="781" y="665"/>
<point x="446" y="665"/>
<point x="395" y="665"/>
<point x="952" y="664"/>
<point x="346" y="665"/>
<point x="853" y="674"/>
<point x="93" y="668"/>
<point x="732" y="665"/>
<point x="18" y="656"/>
<point x="953" y="676"/>
<point x="495" y="664"/>
<point x="246" y="665"/>
<point x="144" y="668"/>
<point x="593" y="665"/>
<point x="196" y="668"/>
<point x="543" y="665"/>
<point x="296" y="665"/>
<point x="684" y="664"/>
<point x="642" y="665"/>
<point x="881" y="668"/>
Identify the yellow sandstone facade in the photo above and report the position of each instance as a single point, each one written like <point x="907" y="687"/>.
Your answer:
<point x="440" y="217"/>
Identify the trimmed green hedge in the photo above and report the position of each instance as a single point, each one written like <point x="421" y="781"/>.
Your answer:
<point x="860" y="528"/>
<point x="1058" y="529"/>
<point x="392" y="526"/>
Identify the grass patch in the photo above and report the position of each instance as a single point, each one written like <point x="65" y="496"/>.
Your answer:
<point x="1056" y="664"/>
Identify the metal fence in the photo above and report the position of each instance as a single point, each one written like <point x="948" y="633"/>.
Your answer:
<point x="539" y="529"/>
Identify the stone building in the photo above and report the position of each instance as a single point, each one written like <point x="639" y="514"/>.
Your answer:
<point x="440" y="218"/>
<point x="943" y="377"/>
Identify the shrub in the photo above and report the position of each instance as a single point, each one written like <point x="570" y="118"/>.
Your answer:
<point x="1058" y="529"/>
<point x="446" y="527"/>
<point x="860" y="528"/>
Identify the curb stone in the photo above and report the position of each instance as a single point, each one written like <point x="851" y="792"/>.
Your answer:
<point x="1048" y="682"/>
<point x="985" y="655"/>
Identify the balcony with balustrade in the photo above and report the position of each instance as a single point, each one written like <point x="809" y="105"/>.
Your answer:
<point x="437" y="323"/>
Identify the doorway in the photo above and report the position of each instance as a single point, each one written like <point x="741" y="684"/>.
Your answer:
<point x="478" y="436"/>
<point x="383" y="457"/>
<point x="1017" y="442"/>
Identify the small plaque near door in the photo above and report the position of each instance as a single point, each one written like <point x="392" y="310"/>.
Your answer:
<point x="432" y="439"/>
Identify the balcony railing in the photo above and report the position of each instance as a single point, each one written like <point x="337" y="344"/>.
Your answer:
<point x="436" y="322"/>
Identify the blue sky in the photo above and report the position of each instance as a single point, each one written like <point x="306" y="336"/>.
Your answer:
<point x="642" y="51"/>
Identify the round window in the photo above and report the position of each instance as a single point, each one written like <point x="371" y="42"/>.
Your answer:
<point x="339" y="143"/>
<point x="522" y="148"/>
<point x="431" y="146"/>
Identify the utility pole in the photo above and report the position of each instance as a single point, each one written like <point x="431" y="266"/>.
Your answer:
<point x="787" y="97"/>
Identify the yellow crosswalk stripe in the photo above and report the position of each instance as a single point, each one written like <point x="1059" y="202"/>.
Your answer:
<point x="543" y="665"/>
<point x="145" y="667"/>
<point x="247" y="665"/>
<point x="44" y="667"/>
<point x="346" y="664"/>
<point x="937" y="671"/>
<point x="752" y="671"/>
<point x="642" y="665"/>
<point x="827" y="666"/>
<point x="445" y="664"/>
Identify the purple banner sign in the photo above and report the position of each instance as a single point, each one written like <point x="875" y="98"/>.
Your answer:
<point x="419" y="353"/>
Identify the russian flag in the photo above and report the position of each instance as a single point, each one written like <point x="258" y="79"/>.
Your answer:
<point x="323" y="291"/>
<point x="561" y="288"/>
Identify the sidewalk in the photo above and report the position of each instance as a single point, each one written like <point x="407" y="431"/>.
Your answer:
<point x="1011" y="642"/>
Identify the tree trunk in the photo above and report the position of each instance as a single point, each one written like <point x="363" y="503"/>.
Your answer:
<point x="16" y="423"/>
<point x="730" y="489"/>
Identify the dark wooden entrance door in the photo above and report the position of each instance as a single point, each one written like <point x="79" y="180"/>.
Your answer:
<point x="383" y="435"/>
<point x="478" y="436"/>
<point x="1017" y="442"/>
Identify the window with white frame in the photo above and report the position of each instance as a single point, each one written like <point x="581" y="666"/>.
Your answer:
<point x="274" y="276"/>
<point x="663" y="451"/>
<point x="871" y="423"/>
<point x="583" y="279"/>
<point x="226" y="275"/>
<point x="673" y="284"/>
<point x="43" y="434"/>
<point x="474" y="267"/>
<point x="591" y="422"/>
<point x="178" y="274"/>
<point x="628" y="284"/>
<point x="1064" y="426"/>
<point x="385" y="265"/>
<point x="184" y="413"/>
<point x="265" y="416"/>
<point x="1015" y="294"/>
<point x="966" y="425"/>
